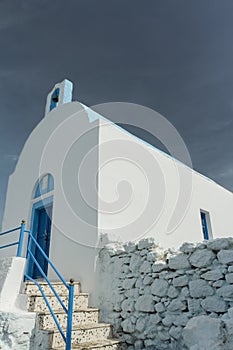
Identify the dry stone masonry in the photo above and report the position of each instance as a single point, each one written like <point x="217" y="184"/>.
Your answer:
<point x="167" y="299"/>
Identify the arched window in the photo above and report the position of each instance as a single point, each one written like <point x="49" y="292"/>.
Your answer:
<point x="54" y="99"/>
<point x="44" y="185"/>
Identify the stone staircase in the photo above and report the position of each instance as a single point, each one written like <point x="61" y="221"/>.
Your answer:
<point x="87" y="332"/>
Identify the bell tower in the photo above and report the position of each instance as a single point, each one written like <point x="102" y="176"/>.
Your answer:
<point x="60" y="94"/>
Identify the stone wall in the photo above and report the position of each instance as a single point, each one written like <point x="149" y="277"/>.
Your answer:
<point x="165" y="299"/>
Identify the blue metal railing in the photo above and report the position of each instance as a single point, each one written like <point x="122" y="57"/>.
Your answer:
<point x="19" y="243"/>
<point x="70" y="286"/>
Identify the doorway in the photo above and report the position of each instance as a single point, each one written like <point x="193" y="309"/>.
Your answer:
<point x="41" y="223"/>
<point x="42" y="233"/>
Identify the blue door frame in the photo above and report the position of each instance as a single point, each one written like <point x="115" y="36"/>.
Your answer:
<point x="204" y="225"/>
<point x="41" y="230"/>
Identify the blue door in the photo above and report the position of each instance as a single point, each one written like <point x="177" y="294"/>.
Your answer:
<point x="41" y="231"/>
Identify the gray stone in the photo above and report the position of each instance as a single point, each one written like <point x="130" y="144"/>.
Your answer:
<point x="128" y="326"/>
<point x="139" y="283"/>
<point x="181" y="320"/>
<point x="225" y="256"/>
<point x="178" y="262"/>
<point x="143" y="252"/>
<point x="194" y="306"/>
<point x="168" y="320"/>
<point x="128" y="305"/>
<point x="147" y="280"/>
<point x="128" y="283"/>
<point x="219" y="243"/>
<point x="225" y="292"/>
<point x="203" y="332"/>
<point x="146" y="243"/>
<point x="145" y="303"/>
<point x="140" y="324"/>
<point x="130" y="247"/>
<point x="229" y="278"/>
<point x="185" y="292"/>
<point x="152" y="256"/>
<point x="135" y="263"/>
<point x="187" y="247"/>
<point x="159" y="307"/>
<point x="154" y="318"/>
<point x="163" y="335"/>
<point x="202" y="258"/>
<point x="214" y="304"/>
<point x="212" y="275"/>
<point x="180" y="281"/>
<point x="200" y="288"/>
<point x="172" y="292"/>
<point x="133" y="292"/>
<point x="159" y="287"/>
<point x="175" y="332"/>
<point x="176" y="305"/>
<point x="159" y="266"/>
<point x="145" y="267"/>
<point x="218" y="284"/>
<point x="138" y="345"/>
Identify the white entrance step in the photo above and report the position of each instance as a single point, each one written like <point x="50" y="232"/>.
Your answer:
<point x="88" y="316"/>
<point x="84" y="334"/>
<point x="32" y="289"/>
<point x="108" y="344"/>
<point x="37" y="303"/>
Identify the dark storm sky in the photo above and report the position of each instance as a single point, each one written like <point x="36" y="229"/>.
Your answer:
<point x="175" y="56"/>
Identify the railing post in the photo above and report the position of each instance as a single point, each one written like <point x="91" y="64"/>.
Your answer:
<point x="21" y="238"/>
<point x="70" y="315"/>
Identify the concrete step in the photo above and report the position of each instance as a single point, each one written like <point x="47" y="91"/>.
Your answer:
<point x="36" y="303"/>
<point x="32" y="289"/>
<point x="81" y="317"/>
<point x="84" y="334"/>
<point x="109" y="344"/>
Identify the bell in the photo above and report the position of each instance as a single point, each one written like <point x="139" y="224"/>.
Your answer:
<point x="55" y="98"/>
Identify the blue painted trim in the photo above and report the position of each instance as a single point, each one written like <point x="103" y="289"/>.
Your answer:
<point x="70" y="317"/>
<point x="29" y="254"/>
<point x="204" y="225"/>
<point x="6" y="232"/>
<point x="50" y="262"/>
<point x="47" y="280"/>
<point x="50" y="186"/>
<point x="9" y="245"/>
<point x="21" y="239"/>
<point x="53" y="104"/>
<point x="43" y="203"/>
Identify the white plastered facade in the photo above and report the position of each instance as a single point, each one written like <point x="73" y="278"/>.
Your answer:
<point x="108" y="185"/>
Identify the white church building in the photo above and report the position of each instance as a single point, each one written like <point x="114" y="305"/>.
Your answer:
<point x="82" y="181"/>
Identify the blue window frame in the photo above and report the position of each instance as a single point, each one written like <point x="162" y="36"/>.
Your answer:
<point x="54" y="99"/>
<point x="45" y="185"/>
<point x="205" y="228"/>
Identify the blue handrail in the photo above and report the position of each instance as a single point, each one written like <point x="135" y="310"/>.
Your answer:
<point x="48" y="305"/>
<point x="70" y="286"/>
<point x="46" y="257"/>
<point x="9" y="231"/>
<point x="18" y="243"/>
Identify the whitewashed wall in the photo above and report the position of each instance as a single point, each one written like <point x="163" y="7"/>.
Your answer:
<point x="143" y="184"/>
<point x="100" y="209"/>
<point x="57" y="146"/>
